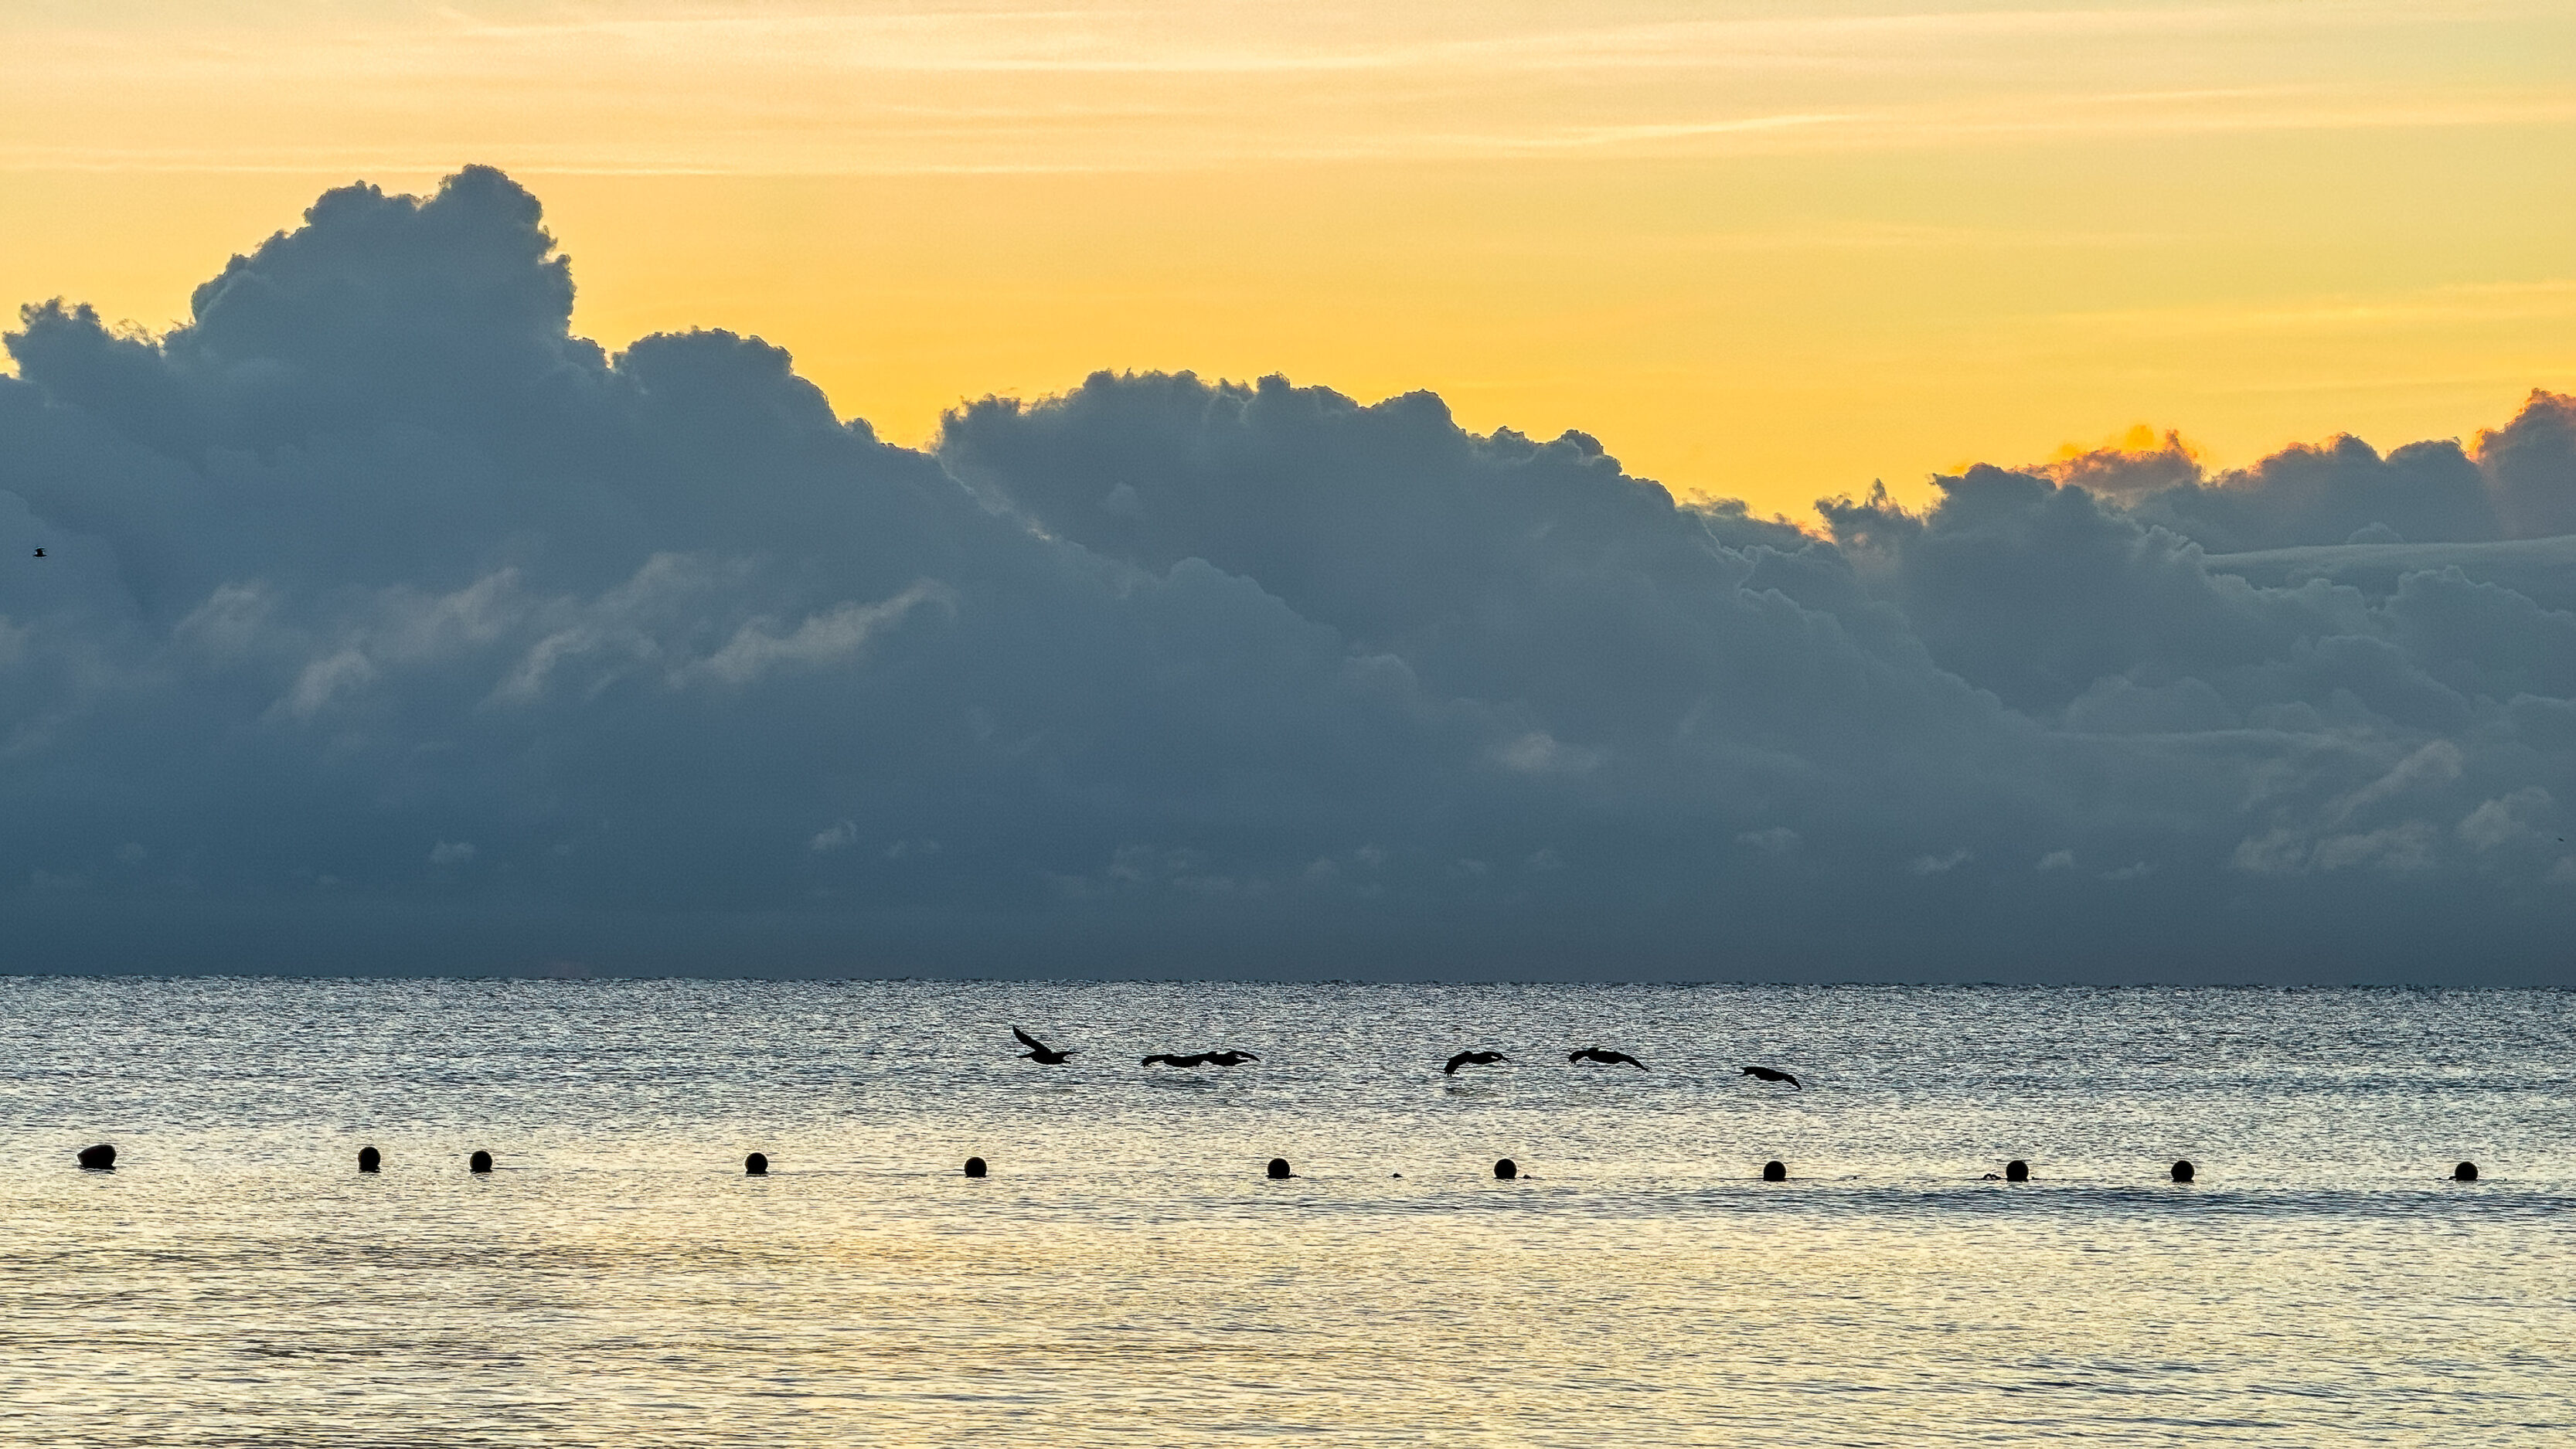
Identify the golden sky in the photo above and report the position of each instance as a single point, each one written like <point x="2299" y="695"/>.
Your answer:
<point x="1771" y="251"/>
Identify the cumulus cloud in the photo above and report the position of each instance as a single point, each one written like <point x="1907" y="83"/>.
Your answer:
<point x="1170" y="675"/>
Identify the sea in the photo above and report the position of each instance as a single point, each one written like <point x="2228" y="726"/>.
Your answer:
<point x="1127" y="1275"/>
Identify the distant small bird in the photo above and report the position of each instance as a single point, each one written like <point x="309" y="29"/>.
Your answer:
<point x="1765" y="1074"/>
<point x="1226" y="1058"/>
<point x="40" y="553"/>
<point x="1472" y="1059"/>
<point x="1039" y="1051"/>
<point x="1605" y="1058"/>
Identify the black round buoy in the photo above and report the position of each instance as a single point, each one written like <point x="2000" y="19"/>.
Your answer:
<point x="1507" y="1169"/>
<point x="974" y="1167"/>
<point x="101" y="1158"/>
<point x="1775" y="1171"/>
<point x="2465" y="1172"/>
<point x="2016" y="1171"/>
<point x="2182" y="1171"/>
<point x="481" y="1161"/>
<point x="1278" y="1168"/>
<point x="369" y="1159"/>
<point x="756" y="1165"/>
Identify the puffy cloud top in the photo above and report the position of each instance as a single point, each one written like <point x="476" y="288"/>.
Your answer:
<point x="387" y="625"/>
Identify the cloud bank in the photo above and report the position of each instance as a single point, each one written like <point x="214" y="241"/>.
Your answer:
<point x="386" y="625"/>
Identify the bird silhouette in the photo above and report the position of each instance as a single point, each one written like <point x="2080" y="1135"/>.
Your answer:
<point x="1766" y="1074"/>
<point x="1605" y="1058"/>
<point x="1472" y="1059"/>
<point x="40" y="553"/>
<point x="1039" y="1051"/>
<point x="1226" y="1058"/>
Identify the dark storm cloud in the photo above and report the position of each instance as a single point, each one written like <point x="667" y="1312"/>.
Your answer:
<point x="385" y="624"/>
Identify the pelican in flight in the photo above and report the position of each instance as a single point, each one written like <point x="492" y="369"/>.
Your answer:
<point x="1040" y="1052"/>
<point x="1226" y="1058"/>
<point x="1605" y="1058"/>
<point x="1766" y="1074"/>
<point x="1472" y="1059"/>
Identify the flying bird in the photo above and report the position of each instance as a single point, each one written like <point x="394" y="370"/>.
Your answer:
<point x="1039" y="1051"/>
<point x="1472" y="1059"/>
<point x="1605" y="1058"/>
<point x="1766" y="1074"/>
<point x="1226" y="1058"/>
<point x="40" y="553"/>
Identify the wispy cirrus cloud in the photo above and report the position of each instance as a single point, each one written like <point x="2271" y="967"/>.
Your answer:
<point x="917" y="89"/>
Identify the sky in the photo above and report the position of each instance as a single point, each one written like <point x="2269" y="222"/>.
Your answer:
<point x="1764" y="251"/>
<point x="406" y="606"/>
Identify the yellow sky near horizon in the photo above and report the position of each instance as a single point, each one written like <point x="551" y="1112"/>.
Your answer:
<point x="1771" y="251"/>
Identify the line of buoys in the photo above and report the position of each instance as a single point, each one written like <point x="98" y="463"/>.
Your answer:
<point x="102" y="1158"/>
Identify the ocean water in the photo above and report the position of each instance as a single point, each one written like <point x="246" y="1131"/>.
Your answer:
<point x="1127" y="1276"/>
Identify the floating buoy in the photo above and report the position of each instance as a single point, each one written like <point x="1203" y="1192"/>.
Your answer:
<point x="2016" y="1171"/>
<point x="756" y="1165"/>
<point x="974" y="1167"/>
<point x="370" y="1160"/>
<point x="481" y="1161"/>
<point x="1775" y="1171"/>
<point x="101" y="1158"/>
<point x="1507" y="1169"/>
<point x="1278" y="1168"/>
<point x="2182" y="1171"/>
<point x="2465" y="1172"/>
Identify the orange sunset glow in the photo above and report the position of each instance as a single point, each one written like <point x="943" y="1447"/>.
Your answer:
<point x="1759" y="250"/>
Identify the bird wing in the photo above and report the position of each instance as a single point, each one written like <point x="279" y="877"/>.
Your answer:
<point x="1792" y="1081"/>
<point x="1149" y="1061"/>
<point x="1460" y="1060"/>
<point x="1026" y="1040"/>
<point x="1616" y="1057"/>
<point x="1578" y="1056"/>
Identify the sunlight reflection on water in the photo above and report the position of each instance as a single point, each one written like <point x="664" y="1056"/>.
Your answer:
<point x="1127" y="1276"/>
